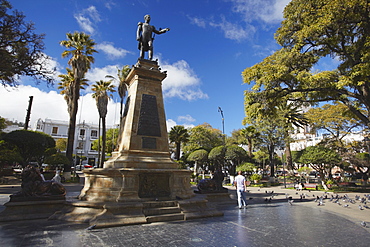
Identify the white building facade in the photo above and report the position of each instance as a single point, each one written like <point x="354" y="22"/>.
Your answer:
<point x="85" y="135"/>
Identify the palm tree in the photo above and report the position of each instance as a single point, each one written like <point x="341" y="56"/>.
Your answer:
<point x="122" y="90"/>
<point x="249" y="133"/>
<point x="80" y="49"/>
<point x="66" y="86"/>
<point x="122" y="87"/>
<point x="101" y="95"/>
<point x="178" y="134"/>
<point x="292" y="116"/>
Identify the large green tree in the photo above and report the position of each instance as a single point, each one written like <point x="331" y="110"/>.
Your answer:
<point x="313" y="30"/>
<point x="217" y="156"/>
<point x="178" y="135"/>
<point x="102" y="93"/>
<point x="336" y="120"/>
<point x="80" y="48"/>
<point x="200" y="157"/>
<point x="321" y="159"/>
<point x="271" y="138"/>
<point x="203" y="137"/>
<point x="235" y="155"/>
<point x="21" y="49"/>
<point x="31" y="145"/>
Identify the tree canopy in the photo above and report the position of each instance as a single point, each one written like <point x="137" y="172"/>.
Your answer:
<point x="31" y="145"/>
<point x="20" y="48"/>
<point x="203" y="137"/>
<point x="313" y="30"/>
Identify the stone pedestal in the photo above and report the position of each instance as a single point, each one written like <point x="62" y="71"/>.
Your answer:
<point x="141" y="170"/>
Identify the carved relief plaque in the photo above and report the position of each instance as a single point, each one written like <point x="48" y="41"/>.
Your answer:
<point x="154" y="185"/>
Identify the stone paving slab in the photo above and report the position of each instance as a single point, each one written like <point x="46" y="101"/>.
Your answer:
<point x="274" y="223"/>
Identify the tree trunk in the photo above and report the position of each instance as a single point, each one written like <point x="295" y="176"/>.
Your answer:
<point x="288" y="155"/>
<point x="178" y="148"/>
<point x="271" y="157"/>
<point x="99" y="143"/>
<point x="72" y="124"/>
<point x="104" y="143"/>
<point x="250" y="148"/>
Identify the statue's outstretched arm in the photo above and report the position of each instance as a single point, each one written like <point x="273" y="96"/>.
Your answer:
<point x="161" y="30"/>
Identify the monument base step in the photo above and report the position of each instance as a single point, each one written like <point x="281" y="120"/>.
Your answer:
<point x="30" y="210"/>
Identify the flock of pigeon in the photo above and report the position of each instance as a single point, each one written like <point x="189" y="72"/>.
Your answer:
<point x="341" y="200"/>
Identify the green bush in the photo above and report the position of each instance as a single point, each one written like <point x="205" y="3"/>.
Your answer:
<point x="255" y="177"/>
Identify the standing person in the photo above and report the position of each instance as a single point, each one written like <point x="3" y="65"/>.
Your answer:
<point x="241" y="187"/>
<point x="145" y="37"/>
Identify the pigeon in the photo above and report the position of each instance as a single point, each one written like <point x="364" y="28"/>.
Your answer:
<point x="291" y="202"/>
<point x="360" y="207"/>
<point x="365" y="206"/>
<point x="91" y="227"/>
<point x="363" y="223"/>
<point x="345" y="205"/>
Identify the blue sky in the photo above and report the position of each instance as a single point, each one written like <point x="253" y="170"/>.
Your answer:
<point x="209" y="45"/>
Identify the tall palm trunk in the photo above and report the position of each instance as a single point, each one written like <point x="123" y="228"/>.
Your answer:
<point x="178" y="148"/>
<point x="104" y="138"/>
<point x="99" y="143"/>
<point x="288" y="155"/>
<point x="250" y="148"/>
<point x="73" y="108"/>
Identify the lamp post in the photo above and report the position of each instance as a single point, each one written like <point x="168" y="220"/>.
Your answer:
<point x="223" y="130"/>
<point x="223" y="122"/>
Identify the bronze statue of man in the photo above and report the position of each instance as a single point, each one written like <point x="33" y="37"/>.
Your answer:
<point x="145" y="37"/>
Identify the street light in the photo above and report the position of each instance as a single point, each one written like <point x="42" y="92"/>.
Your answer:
<point x="223" y="122"/>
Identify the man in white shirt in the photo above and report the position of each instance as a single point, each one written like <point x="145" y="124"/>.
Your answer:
<point x="241" y="187"/>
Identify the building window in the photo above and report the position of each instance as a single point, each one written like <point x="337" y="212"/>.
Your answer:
<point x="55" y="130"/>
<point x="91" y="147"/>
<point x="94" y="133"/>
<point x="80" y="145"/>
<point x="82" y="132"/>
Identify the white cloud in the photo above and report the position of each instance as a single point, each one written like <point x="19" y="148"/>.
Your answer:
<point x="170" y="123"/>
<point x="181" y="82"/>
<point x="112" y="52"/>
<point x="269" y="11"/>
<point x="97" y="74"/>
<point x="233" y="31"/>
<point x="50" y="105"/>
<point x="87" y="19"/>
<point x="197" y="21"/>
<point x="186" y="119"/>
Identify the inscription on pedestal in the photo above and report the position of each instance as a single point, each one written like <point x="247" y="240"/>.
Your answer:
<point x="149" y="119"/>
<point x="149" y="142"/>
<point x="154" y="185"/>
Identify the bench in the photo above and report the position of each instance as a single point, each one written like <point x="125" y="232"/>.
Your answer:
<point x="310" y="186"/>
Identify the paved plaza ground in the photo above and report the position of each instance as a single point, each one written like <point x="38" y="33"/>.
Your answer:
<point x="262" y="223"/>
